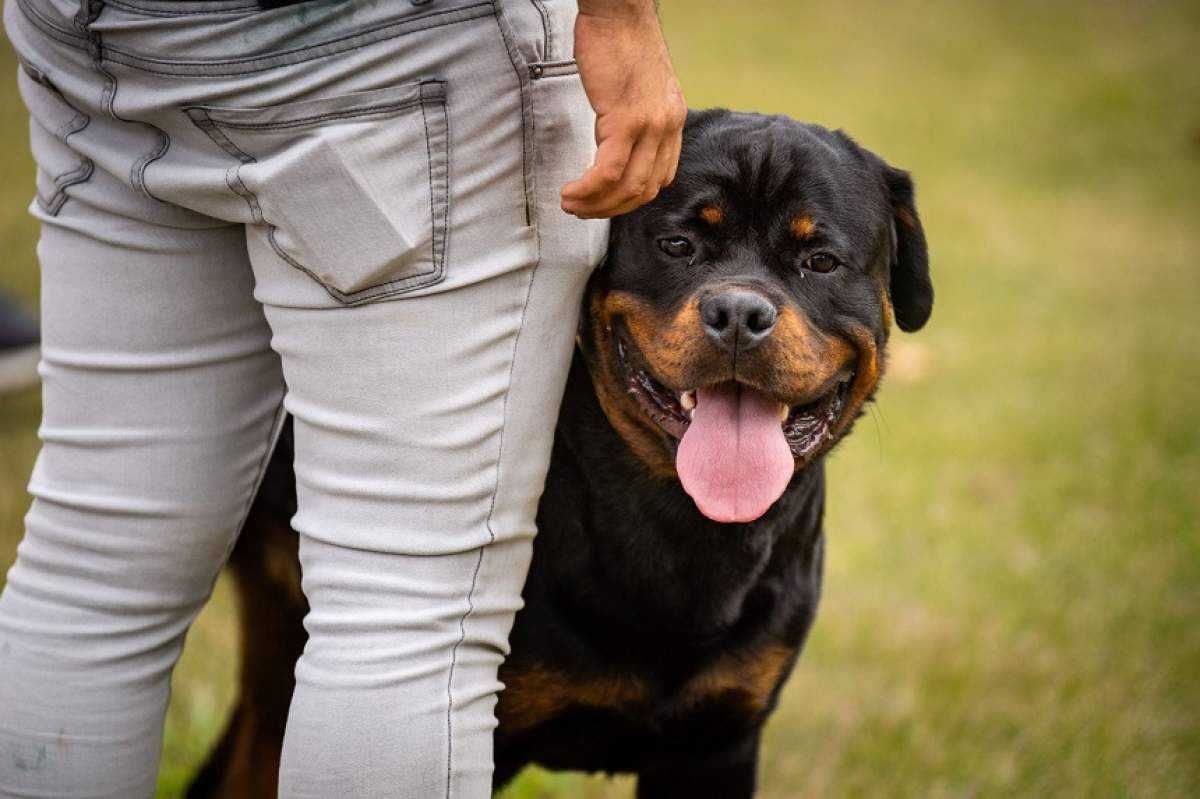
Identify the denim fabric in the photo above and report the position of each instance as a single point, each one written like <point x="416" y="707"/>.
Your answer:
<point x="348" y="210"/>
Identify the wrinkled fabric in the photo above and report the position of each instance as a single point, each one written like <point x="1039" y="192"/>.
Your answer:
<point x="345" y="211"/>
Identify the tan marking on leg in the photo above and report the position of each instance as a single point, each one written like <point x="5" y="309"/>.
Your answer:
<point x="533" y="696"/>
<point x="750" y="680"/>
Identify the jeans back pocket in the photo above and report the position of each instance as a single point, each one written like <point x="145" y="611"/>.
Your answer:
<point x="354" y="189"/>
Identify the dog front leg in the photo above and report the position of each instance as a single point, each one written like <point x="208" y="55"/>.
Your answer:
<point x="728" y="773"/>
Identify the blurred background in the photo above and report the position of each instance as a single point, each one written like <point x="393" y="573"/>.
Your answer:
<point x="1012" y="602"/>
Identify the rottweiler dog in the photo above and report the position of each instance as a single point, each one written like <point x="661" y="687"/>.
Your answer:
<point x="731" y="338"/>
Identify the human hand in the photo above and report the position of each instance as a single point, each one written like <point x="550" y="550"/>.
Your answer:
<point x="631" y="85"/>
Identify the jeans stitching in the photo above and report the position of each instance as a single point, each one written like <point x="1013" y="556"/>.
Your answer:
<point x="272" y="437"/>
<point x="445" y="232"/>
<point x="81" y="173"/>
<point x="73" y="178"/>
<point x="528" y="122"/>
<point x="143" y="163"/>
<point x="61" y="34"/>
<point x="205" y="69"/>
<point x="129" y="5"/>
<point x="432" y="191"/>
<point x="233" y="175"/>
<point x="335" y="46"/>
<point x="548" y="36"/>
<point x="462" y="622"/>
<point x="430" y="91"/>
<point x="406" y="283"/>
<point x="137" y="171"/>
<point x="557" y="69"/>
<point x="528" y="134"/>
<point x="325" y="117"/>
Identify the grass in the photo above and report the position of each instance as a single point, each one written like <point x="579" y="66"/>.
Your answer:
<point x="1013" y="581"/>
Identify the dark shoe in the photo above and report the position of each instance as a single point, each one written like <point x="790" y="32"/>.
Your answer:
<point x="19" y="348"/>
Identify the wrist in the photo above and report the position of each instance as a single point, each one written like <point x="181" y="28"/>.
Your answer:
<point x="615" y="9"/>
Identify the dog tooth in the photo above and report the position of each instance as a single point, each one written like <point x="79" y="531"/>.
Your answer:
<point x="784" y="412"/>
<point x="687" y="400"/>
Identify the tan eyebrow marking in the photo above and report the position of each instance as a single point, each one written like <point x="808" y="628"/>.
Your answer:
<point x="803" y="226"/>
<point x="712" y="214"/>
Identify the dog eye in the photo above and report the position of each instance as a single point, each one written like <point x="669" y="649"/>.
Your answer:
<point x="821" y="262"/>
<point x="677" y="247"/>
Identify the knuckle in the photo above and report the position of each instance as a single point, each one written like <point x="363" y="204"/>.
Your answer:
<point x="609" y="174"/>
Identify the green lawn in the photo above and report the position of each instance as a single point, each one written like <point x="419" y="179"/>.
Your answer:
<point x="1013" y="594"/>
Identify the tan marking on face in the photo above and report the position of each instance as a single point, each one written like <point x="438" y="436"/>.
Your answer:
<point x="795" y="364"/>
<point x="797" y="360"/>
<point x="865" y="382"/>
<point x="803" y="226"/>
<point x="533" y="696"/>
<point x="889" y="316"/>
<point x="712" y="214"/>
<point x="672" y="344"/>
<point x="904" y="217"/>
<point x="749" y="680"/>
<point x="661" y="342"/>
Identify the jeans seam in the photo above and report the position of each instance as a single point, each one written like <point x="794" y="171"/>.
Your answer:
<point x="272" y="438"/>
<point x="86" y="168"/>
<point x="143" y="163"/>
<point x="96" y="50"/>
<point x="432" y="192"/>
<point x="339" y="44"/>
<point x="233" y="175"/>
<point x="462" y="622"/>
<point x="548" y="36"/>
<point x="441" y="257"/>
<point x="73" y="178"/>
<point x="64" y="35"/>
<point x="528" y="136"/>
<point x="130" y="5"/>
<point x="325" y="117"/>
<point x="528" y="121"/>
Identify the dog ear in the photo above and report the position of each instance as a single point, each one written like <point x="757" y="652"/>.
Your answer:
<point x="911" y="288"/>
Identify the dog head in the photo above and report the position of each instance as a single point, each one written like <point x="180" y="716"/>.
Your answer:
<point x="739" y="323"/>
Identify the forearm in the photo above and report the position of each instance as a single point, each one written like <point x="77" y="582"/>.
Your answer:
<point x="631" y="85"/>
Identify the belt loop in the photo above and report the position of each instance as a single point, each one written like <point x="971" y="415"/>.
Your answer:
<point x="88" y="11"/>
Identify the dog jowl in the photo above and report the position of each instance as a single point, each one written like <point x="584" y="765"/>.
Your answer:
<point x="734" y="333"/>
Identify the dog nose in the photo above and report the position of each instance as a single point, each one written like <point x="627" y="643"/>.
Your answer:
<point x="738" y="319"/>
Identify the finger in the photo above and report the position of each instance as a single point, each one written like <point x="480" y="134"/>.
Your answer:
<point x="635" y="183"/>
<point x="673" y="158"/>
<point x="652" y="188"/>
<point x="612" y="157"/>
<point x="664" y="164"/>
<point x="657" y="181"/>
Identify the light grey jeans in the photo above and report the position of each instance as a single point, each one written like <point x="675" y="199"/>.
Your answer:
<point x="345" y="209"/>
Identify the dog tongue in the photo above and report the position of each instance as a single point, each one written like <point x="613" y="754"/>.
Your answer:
<point x="733" y="460"/>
